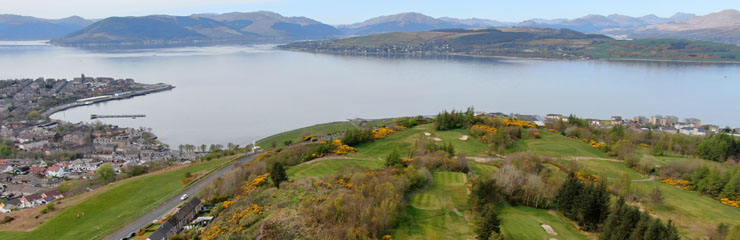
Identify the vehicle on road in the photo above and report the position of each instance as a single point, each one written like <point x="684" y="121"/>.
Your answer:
<point x="184" y="196"/>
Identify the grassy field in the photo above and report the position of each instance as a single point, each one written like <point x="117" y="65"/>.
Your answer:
<point x="404" y="140"/>
<point x="525" y="223"/>
<point x="330" y="167"/>
<point x="694" y="214"/>
<point x="110" y="208"/>
<point x="556" y="145"/>
<point x="297" y="134"/>
<point x="481" y="169"/>
<point x="439" y="211"/>
<point x="610" y="168"/>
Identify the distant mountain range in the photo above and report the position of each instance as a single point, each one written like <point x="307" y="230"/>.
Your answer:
<point x="229" y="27"/>
<point x="272" y="27"/>
<point x="16" y="27"/>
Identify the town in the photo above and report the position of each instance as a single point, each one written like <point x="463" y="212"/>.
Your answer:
<point x="38" y="154"/>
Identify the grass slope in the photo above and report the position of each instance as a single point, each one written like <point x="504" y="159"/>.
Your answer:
<point x="525" y="223"/>
<point x="556" y="145"/>
<point x="110" y="208"/>
<point x="439" y="211"/>
<point x="330" y="167"/>
<point x="482" y="169"/>
<point x="297" y="134"/>
<point x="695" y="214"/>
<point x="404" y="140"/>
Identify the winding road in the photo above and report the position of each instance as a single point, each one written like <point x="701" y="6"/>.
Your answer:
<point x="171" y="203"/>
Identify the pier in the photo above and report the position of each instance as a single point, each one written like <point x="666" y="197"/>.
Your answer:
<point x="134" y="116"/>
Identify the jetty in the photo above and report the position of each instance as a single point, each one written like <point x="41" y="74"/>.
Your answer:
<point x="134" y="116"/>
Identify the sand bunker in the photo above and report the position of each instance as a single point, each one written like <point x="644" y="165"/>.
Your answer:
<point x="549" y="230"/>
<point x="464" y="138"/>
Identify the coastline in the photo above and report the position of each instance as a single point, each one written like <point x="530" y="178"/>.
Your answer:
<point x="155" y="88"/>
<point x="505" y="56"/>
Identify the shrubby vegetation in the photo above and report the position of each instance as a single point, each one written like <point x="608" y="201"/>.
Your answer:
<point x="453" y="120"/>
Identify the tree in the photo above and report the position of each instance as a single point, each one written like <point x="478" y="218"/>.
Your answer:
<point x="732" y="188"/>
<point x="277" y="174"/>
<point x="567" y="196"/>
<point x="656" y="196"/>
<point x="623" y="185"/>
<point x="106" y="172"/>
<point x="488" y="223"/>
<point x="734" y="233"/>
<point x="393" y="159"/>
<point x="203" y="148"/>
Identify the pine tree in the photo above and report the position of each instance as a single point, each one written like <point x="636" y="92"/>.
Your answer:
<point x="655" y="231"/>
<point x="277" y="174"/>
<point x="732" y="188"/>
<point x="672" y="231"/>
<point x="568" y="196"/>
<point x="488" y="223"/>
<point x="639" y="232"/>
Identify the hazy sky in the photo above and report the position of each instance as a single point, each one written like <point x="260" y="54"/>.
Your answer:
<point x="350" y="11"/>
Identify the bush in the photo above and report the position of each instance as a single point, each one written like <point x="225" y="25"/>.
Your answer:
<point x="7" y="219"/>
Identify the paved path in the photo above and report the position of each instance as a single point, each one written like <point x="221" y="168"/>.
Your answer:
<point x="171" y="203"/>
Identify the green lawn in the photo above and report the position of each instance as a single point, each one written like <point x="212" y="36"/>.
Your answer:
<point x="297" y="134"/>
<point x="610" y="168"/>
<point x="330" y="167"/>
<point x="439" y="211"/>
<point x="695" y="214"/>
<point x="525" y="223"/>
<point x="404" y="140"/>
<point x="556" y="145"/>
<point x="107" y="210"/>
<point x="481" y="169"/>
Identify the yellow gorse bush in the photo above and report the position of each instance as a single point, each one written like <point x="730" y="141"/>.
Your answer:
<point x="383" y="132"/>
<point x="513" y="122"/>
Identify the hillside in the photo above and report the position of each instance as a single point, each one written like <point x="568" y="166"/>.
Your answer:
<point x="721" y="27"/>
<point x="230" y="27"/>
<point x="523" y="42"/>
<point x="595" y="23"/>
<point x="403" y="22"/>
<point x="16" y="27"/>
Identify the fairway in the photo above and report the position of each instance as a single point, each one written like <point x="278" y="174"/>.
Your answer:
<point x="110" y="208"/>
<point x="556" y="145"/>
<point x="522" y="222"/>
<point x="482" y="169"/>
<point x="330" y="167"/>
<point x="439" y="212"/>
<point x="296" y="135"/>
<point x="404" y="140"/>
<point x="424" y="201"/>
<point x="695" y="215"/>
<point x="612" y="169"/>
<point x="450" y="178"/>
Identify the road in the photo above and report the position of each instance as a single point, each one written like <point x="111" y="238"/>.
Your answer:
<point x="171" y="203"/>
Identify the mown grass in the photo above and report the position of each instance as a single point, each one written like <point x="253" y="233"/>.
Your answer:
<point x="694" y="214"/>
<point x="556" y="145"/>
<point x="522" y="222"/>
<point x="482" y="169"/>
<point x="612" y="169"/>
<point x="330" y="167"/>
<point x="296" y="135"/>
<point x="404" y="140"/>
<point x="439" y="211"/>
<point x="107" y="210"/>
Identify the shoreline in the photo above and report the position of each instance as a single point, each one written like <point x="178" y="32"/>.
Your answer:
<point x="155" y="88"/>
<point x="507" y="57"/>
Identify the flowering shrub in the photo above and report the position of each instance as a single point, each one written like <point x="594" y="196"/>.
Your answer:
<point x="644" y="145"/>
<point x="342" y="149"/>
<point x="595" y="144"/>
<point x="381" y="133"/>
<point x="553" y="130"/>
<point x="734" y="203"/>
<point x="684" y="184"/>
<point x="513" y="122"/>
<point x="306" y="138"/>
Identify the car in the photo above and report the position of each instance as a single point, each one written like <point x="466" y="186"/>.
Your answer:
<point x="132" y="235"/>
<point x="184" y="196"/>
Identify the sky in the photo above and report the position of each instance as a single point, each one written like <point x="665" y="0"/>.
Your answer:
<point x="351" y="11"/>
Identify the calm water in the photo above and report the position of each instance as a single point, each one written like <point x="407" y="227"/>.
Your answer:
<point x="240" y="94"/>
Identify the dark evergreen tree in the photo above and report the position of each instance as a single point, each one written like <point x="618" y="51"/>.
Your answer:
<point x="568" y="195"/>
<point x="639" y="232"/>
<point x="488" y="223"/>
<point x="277" y="174"/>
